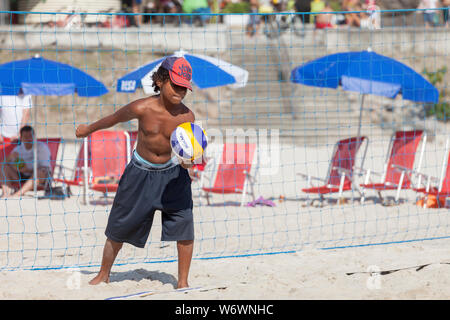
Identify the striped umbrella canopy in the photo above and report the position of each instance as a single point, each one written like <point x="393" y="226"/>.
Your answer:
<point x="207" y="72"/>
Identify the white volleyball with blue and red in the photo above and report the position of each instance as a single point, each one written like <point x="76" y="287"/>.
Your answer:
<point x="189" y="141"/>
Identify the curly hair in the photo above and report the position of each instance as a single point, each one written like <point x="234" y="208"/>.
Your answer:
<point x="162" y="75"/>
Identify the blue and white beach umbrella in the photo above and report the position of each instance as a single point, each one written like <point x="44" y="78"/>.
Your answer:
<point x="366" y="72"/>
<point x="207" y="72"/>
<point x="37" y="76"/>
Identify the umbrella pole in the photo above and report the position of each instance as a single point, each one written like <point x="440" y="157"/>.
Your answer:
<point x="35" y="152"/>
<point x="360" y="115"/>
<point x="85" y="171"/>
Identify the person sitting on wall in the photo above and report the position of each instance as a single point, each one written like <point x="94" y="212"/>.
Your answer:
<point x="201" y="7"/>
<point x="324" y="20"/>
<point x="254" y="20"/>
<point x="353" y="19"/>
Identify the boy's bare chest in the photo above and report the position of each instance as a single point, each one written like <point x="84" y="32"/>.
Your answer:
<point x="154" y="126"/>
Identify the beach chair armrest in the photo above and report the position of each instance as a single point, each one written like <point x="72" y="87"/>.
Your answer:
<point x="249" y="176"/>
<point x="427" y="177"/>
<point x="359" y="170"/>
<point x="345" y="172"/>
<point x="368" y="173"/>
<point x="434" y="179"/>
<point x="362" y="171"/>
<point x="406" y="171"/>
<point x="375" y="173"/>
<point x="401" y="168"/>
<point x="423" y="176"/>
<point x="63" y="167"/>
<point x="61" y="170"/>
<point x="414" y="172"/>
<point x="340" y="170"/>
<point x="309" y="177"/>
<point x="427" y="180"/>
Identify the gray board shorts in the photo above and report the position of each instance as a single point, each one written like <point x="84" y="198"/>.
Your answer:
<point x="142" y="190"/>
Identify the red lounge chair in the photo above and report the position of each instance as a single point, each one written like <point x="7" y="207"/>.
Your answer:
<point x="133" y="140"/>
<point x="197" y="170"/>
<point x="340" y="171"/>
<point x="201" y="173"/>
<point x="5" y="148"/>
<point x="108" y="153"/>
<point x="77" y="178"/>
<point x="441" y="189"/>
<point x="399" y="161"/>
<point x="232" y="171"/>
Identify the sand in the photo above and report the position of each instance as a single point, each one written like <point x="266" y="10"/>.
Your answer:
<point x="309" y="274"/>
<point x="240" y="252"/>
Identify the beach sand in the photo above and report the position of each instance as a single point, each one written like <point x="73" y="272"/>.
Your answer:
<point x="234" y="254"/>
<point x="309" y="274"/>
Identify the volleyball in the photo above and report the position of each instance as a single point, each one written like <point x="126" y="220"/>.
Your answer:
<point x="188" y="141"/>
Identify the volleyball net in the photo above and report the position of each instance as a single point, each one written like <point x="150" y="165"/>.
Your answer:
<point x="301" y="154"/>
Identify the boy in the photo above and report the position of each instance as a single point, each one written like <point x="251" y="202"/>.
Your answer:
<point x="18" y="167"/>
<point x="152" y="180"/>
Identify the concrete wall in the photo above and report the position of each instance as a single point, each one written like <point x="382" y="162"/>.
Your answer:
<point x="161" y="39"/>
<point x="64" y="6"/>
<point x="217" y="38"/>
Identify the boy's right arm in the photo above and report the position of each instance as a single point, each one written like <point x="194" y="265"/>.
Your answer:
<point x="126" y="113"/>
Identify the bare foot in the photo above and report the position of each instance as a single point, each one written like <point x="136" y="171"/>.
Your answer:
<point x="181" y="285"/>
<point x="17" y="194"/>
<point x="7" y="191"/>
<point x="99" y="279"/>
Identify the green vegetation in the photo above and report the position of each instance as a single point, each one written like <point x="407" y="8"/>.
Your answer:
<point x="240" y="7"/>
<point x="336" y="5"/>
<point x="440" y="110"/>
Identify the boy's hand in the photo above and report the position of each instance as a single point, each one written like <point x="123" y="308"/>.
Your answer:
<point x="186" y="165"/>
<point x="82" y="131"/>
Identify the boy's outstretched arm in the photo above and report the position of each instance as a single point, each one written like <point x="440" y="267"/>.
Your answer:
<point x="126" y="113"/>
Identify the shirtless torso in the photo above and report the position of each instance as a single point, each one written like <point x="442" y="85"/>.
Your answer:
<point x="156" y="124"/>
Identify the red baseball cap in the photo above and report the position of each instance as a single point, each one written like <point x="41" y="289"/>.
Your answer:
<point x="180" y="71"/>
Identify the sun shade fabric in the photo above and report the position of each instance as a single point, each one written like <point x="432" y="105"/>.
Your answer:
<point x="39" y="76"/>
<point x="366" y="72"/>
<point x="207" y="72"/>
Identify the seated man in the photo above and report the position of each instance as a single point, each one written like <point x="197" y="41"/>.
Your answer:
<point x="353" y="18"/>
<point x="18" y="168"/>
